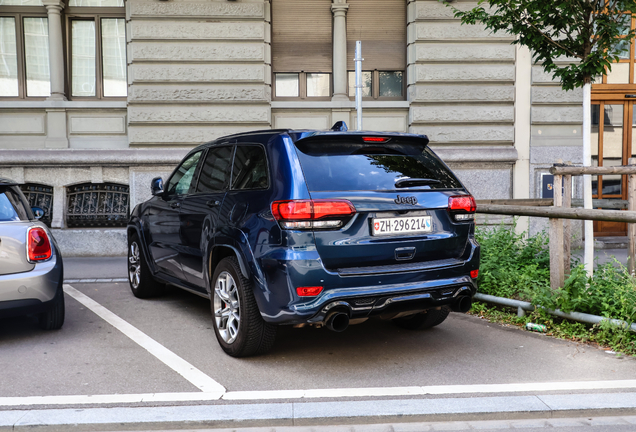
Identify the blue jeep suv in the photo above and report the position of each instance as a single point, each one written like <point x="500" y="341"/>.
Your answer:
<point x="299" y="227"/>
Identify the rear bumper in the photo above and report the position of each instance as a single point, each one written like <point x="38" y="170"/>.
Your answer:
<point x="361" y="294"/>
<point x="31" y="292"/>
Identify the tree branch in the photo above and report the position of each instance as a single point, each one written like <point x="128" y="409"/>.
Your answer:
<point x="548" y="38"/>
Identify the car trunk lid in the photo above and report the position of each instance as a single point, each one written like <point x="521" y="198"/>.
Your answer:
<point x="13" y="253"/>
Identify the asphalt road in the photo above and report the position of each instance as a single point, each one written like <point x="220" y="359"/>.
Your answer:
<point x="117" y="346"/>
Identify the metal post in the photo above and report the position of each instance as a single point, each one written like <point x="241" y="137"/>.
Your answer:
<point x="588" y="258"/>
<point x="557" y="276"/>
<point x="631" y="228"/>
<point x="358" y="63"/>
<point x="567" y="223"/>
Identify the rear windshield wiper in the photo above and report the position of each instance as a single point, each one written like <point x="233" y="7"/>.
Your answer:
<point x="408" y="182"/>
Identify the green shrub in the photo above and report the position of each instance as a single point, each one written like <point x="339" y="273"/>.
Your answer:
<point x="516" y="267"/>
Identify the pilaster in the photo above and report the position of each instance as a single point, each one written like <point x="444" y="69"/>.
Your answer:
<point x="56" y="48"/>
<point x="339" y="9"/>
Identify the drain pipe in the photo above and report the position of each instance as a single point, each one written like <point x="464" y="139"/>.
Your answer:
<point x="522" y="307"/>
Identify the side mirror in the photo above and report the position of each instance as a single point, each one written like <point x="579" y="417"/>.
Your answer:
<point x="156" y="186"/>
<point x="38" y="213"/>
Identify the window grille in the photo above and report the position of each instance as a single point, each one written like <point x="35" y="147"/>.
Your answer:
<point x="97" y="205"/>
<point x="40" y="196"/>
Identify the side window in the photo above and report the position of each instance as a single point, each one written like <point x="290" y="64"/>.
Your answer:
<point x="181" y="180"/>
<point x="215" y="170"/>
<point x="11" y="207"/>
<point x="250" y="168"/>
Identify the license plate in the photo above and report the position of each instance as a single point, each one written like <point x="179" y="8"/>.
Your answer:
<point x="401" y="225"/>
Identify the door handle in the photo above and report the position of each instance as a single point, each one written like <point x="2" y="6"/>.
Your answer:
<point x="213" y="203"/>
<point x="175" y="205"/>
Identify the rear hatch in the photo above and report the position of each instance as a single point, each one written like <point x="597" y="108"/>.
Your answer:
<point x="14" y="224"/>
<point x="400" y="190"/>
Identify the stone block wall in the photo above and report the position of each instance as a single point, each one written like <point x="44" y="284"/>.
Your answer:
<point x="197" y="70"/>
<point x="461" y="89"/>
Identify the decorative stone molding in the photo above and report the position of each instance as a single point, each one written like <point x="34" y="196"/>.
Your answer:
<point x="199" y="10"/>
<point x="556" y="95"/>
<point x="455" y="31"/>
<point x="485" y="154"/>
<point x="465" y="72"/>
<point x="462" y="93"/>
<point x="78" y="158"/>
<point x="199" y="93"/>
<point x="56" y="48"/>
<point x="453" y="52"/>
<point x="460" y="134"/>
<point x="162" y="30"/>
<point x="212" y="51"/>
<point x="198" y="114"/>
<point x="462" y="114"/>
<point x="183" y="135"/>
<point x="557" y="114"/>
<point x="431" y="10"/>
<point x="197" y="73"/>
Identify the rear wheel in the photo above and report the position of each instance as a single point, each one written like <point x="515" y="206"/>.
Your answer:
<point x="141" y="281"/>
<point x="423" y="320"/>
<point x="53" y="318"/>
<point x="238" y="325"/>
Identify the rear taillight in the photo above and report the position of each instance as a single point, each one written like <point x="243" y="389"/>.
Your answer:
<point x="312" y="214"/>
<point x="462" y="207"/>
<point x="38" y="244"/>
<point x="474" y="274"/>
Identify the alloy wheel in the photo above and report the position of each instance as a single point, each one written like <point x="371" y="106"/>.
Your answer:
<point x="227" y="313"/>
<point x="134" y="265"/>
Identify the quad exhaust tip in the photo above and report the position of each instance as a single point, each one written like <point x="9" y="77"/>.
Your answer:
<point x="463" y="304"/>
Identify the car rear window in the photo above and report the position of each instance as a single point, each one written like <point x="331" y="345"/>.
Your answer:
<point x="342" y="166"/>
<point x="11" y="206"/>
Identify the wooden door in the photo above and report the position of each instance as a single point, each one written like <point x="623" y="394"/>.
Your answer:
<point x="612" y="124"/>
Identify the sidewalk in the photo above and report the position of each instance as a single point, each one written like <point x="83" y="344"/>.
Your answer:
<point x="397" y="411"/>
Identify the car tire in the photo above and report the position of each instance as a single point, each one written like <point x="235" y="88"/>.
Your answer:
<point x="423" y="320"/>
<point x="238" y="324"/>
<point x="53" y="318"/>
<point x="142" y="284"/>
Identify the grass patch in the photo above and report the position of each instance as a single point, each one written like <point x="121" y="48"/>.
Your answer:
<point x="518" y="267"/>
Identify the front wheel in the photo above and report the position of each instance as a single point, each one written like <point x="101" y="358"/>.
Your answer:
<point x="238" y="325"/>
<point x="423" y="320"/>
<point x="141" y="281"/>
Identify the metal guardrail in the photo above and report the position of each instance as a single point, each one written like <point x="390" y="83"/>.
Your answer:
<point x="522" y="307"/>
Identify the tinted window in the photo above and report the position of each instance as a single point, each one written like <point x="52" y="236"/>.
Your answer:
<point x="215" y="171"/>
<point x="250" y="168"/>
<point x="182" y="178"/>
<point x="344" y="166"/>
<point x="11" y="206"/>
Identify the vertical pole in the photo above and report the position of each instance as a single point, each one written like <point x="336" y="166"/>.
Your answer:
<point x="358" y="63"/>
<point x="588" y="258"/>
<point x="567" y="223"/>
<point x="557" y="275"/>
<point x="631" y="227"/>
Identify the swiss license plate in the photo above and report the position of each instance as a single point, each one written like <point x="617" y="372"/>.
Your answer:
<point x="401" y="225"/>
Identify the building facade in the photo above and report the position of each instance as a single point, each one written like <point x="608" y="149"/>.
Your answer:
<point x="97" y="97"/>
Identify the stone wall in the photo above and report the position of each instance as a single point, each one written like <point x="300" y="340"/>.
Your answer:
<point x="197" y="70"/>
<point x="461" y="88"/>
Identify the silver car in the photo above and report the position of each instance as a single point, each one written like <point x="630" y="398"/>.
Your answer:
<point x="31" y="272"/>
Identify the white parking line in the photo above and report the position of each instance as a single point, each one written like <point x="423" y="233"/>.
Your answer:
<point x="170" y="359"/>
<point x="320" y="393"/>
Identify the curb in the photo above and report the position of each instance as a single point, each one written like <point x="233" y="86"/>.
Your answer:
<point x="321" y="413"/>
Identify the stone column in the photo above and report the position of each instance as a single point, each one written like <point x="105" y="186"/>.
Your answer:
<point x="339" y="9"/>
<point x="56" y="48"/>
